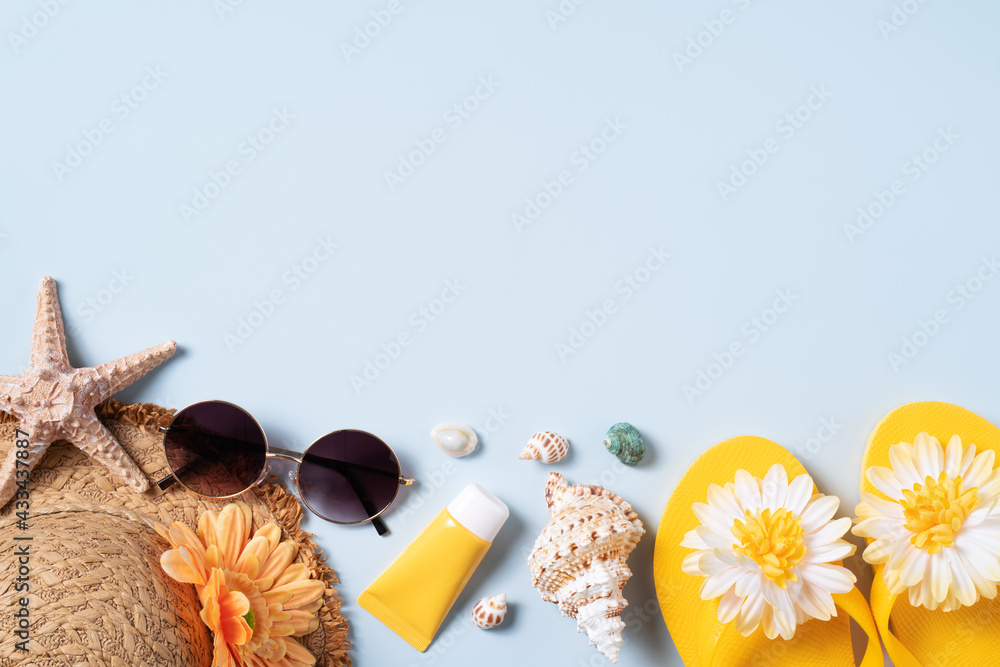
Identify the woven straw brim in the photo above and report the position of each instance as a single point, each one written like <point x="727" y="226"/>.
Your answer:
<point x="98" y="595"/>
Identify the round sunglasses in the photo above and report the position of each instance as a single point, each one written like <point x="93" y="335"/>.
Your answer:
<point x="218" y="450"/>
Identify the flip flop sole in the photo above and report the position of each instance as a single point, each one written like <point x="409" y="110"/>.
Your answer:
<point x="969" y="636"/>
<point x="816" y="643"/>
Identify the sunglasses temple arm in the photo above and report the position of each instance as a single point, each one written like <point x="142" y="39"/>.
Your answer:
<point x="286" y="454"/>
<point x="366" y="504"/>
<point x="166" y="482"/>
<point x="277" y="452"/>
<point x="342" y="467"/>
<point x="169" y="480"/>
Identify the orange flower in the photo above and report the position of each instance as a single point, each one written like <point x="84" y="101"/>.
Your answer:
<point x="254" y="598"/>
<point x="224" y="613"/>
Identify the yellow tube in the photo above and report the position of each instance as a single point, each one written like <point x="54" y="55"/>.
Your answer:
<point x="415" y="593"/>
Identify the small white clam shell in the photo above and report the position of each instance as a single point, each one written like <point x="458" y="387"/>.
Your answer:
<point x="546" y="446"/>
<point x="490" y="612"/>
<point x="454" y="439"/>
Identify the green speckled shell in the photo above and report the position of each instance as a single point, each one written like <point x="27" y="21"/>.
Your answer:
<point x="625" y="442"/>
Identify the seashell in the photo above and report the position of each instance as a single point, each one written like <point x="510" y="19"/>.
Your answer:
<point x="490" y="612"/>
<point x="546" y="446"/>
<point x="454" y="439"/>
<point x="578" y="561"/>
<point x="624" y="441"/>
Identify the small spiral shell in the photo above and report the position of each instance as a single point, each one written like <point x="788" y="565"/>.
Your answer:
<point x="546" y="446"/>
<point x="625" y="442"/>
<point x="490" y="612"/>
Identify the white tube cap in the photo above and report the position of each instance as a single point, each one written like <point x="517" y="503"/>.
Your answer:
<point x="480" y="511"/>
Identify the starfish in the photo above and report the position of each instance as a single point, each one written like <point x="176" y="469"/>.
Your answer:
<point x="54" y="401"/>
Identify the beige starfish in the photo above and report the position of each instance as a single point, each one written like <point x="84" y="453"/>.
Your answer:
<point x="54" y="401"/>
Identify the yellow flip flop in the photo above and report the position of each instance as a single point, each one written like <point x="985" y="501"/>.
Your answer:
<point x="748" y="565"/>
<point x="931" y="517"/>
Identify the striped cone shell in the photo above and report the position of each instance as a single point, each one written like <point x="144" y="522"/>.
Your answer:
<point x="546" y="446"/>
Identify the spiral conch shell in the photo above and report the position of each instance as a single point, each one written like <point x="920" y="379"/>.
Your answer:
<point x="578" y="560"/>
<point x="546" y="446"/>
<point x="490" y="612"/>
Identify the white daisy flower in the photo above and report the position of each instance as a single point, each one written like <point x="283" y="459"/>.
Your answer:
<point x="767" y="547"/>
<point x="937" y="531"/>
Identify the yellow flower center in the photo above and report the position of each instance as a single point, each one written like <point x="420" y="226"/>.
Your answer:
<point x="935" y="510"/>
<point x="774" y="541"/>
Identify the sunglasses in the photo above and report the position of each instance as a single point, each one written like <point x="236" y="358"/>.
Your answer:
<point x="218" y="450"/>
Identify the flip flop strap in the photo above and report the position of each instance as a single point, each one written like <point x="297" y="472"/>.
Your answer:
<point x="712" y="632"/>
<point x="882" y="601"/>
<point x="853" y="603"/>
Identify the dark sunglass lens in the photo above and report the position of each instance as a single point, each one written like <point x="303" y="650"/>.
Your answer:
<point x="215" y="449"/>
<point x="348" y="476"/>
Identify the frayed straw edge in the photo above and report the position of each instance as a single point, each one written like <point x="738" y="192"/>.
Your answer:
<point x="147" y="416"/>
<point x="288" y="511"/>
<point x="285" y="506"/>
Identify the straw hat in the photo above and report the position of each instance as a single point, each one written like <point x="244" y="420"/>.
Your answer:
<point x="98" y="595"/>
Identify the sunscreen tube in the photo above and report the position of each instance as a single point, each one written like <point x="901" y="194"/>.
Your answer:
<point x="414" y="594"/>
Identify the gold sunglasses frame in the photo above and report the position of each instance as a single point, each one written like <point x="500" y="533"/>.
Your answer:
<point x="271" y="452"/>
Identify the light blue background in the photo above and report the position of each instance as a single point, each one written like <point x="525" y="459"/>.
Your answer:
<point x="523" y="291"/>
